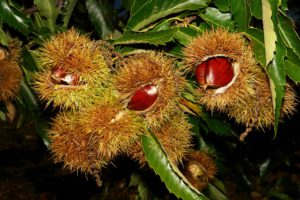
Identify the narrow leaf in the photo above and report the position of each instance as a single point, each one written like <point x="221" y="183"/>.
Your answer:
<point x="28" y="60"/>
<point x="241" y="13"/>
<point x="216" y="18"/>
<point x="15" y="18"/>
<point x="48" y="9"/>
<point x="292" y="67"/>
<point x="288" y="33"/>
<point x="185" y="34"/>
<point x="39" y="23"/>
<point x="277" y="82"/>
<point x="256" y="8"/>
<point x="257" y="38"/>
<point x="168" y="172"/>
<point x="68" y="12"/>
<point x="146" y="12"/>
<point x="156" y="38"/>
<point x="96" y="11"/>
<point x="216" y="125"/>
<point x="269" y="33"/>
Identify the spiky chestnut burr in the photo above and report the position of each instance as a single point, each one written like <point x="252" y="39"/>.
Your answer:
<point x="114" y="129"/>
<point x="174" y="136"/>
<point x="89" y="139"/>
<point x="73" y="71"/>
<point x="10" y="72"/>
<point x="149" y="84"/>
<point x="256" y="111"/>
<point x="72" y="146"/>
<point x="199" y="169"/>
<point x="247" y="98"/>
<point x="109" y="53"/>
<point x="227" y="61"/>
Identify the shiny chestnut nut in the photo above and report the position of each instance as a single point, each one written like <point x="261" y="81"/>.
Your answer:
<point x="214" y="73"/>
<point x="143" y="98"/>
<point x="60" y="76"/>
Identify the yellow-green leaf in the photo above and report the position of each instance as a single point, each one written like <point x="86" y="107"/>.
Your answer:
<point x="269" y="32"/>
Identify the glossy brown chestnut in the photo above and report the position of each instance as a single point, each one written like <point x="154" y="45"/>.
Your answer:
<point x="60" y="76"/>
<point x="215" y="72"/>
<point x="143" y="98"/>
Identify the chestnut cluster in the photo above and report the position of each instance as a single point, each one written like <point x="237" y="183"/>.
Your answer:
<point x="104" y="108"/>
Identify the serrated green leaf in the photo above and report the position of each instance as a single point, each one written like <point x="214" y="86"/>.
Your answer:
<point x="155" y="38"/>
<point x="185" y="34"/>
<point x="257" y="38"/>
<point x="146" y="12"/>
<point x="256" y="8"/>
<point x="216" y="125"/>
<point x="292" y="67"/>
<point x="215" y="18"/>
<point x="241" y="13"/>
<point x="68" y="12"/>
<point x="101" y="22"/>
<point x="277" y="79"/>
<point x="222" y="5"/>
<point x="275" y="56"/>
<point x="48" y="9"/>
<point x="161" y="26"/>
<point x="168" y="172"/>
<point x="270" y="37"/>
<point x="15" y="18"/>
<point x="288" y="33"/>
